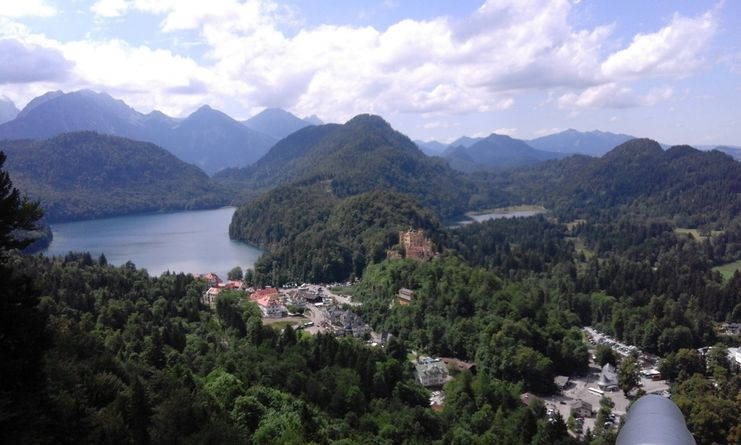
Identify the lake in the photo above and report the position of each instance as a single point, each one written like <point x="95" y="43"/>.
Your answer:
<point x="193" y="241"/>
<point x="523" y="211"/>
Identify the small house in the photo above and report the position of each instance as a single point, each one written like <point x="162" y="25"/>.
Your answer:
<point x="212" y="279"/>
<point x="209" y="297"/>
<point x="580" y="408"/>
<point x="431" y="372"/>
<point x="405" y="296"/>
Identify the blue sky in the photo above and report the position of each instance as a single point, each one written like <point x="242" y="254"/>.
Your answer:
<point x="669" y="70"/>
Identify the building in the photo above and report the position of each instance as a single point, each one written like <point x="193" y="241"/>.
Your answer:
<point x="260" y="293"/>
<point x="652" y="374"/>
<point x="431" y="372"/>
<point x="211" y="278"/>
<point x="271" y="306"/>
<point x="730" y="329"/>
<point x="234" y="285"/>
<point x="405" y="296"/>
<point x="608" y="378"/>
<point x="580" y="408"/>
<point x="209" y="297"/>
<point x="348" y="323"/>
<point x="415" y="245"/>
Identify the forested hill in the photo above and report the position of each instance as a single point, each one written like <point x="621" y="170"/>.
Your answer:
<point x="685" y="186"/>
<point x="88" y="175"/>
<point x="362" y="155"/>
<point x="315" y="236"/>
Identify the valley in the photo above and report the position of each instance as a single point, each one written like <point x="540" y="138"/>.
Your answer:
<point x="497" y="307"/>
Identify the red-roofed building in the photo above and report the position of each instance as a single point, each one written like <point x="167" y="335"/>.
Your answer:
<point x="211" y="278"/>
<point x="270" y="306"/>
<point x="234" y="285"/>
<point x="267" y="292"/>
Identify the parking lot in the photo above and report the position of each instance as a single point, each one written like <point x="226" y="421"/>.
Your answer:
<point x="579" y="389"/>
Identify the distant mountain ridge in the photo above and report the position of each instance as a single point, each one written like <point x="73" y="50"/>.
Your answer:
<point x="431" y="148"/>
<point x="213" y="141"/>
<point x="734" y="152"/>
<point x="208" y="138"/>
<point x="592" y="143"/>
<point x="496" y="152"/>
<point x="277" y="123"/>
<point x="464" y="141"/>
<point x="8" y="110"/>
<point x="87" y="175"/>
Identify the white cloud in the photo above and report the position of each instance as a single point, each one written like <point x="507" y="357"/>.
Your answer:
<point x="148" y="78"/>
<point x="436" y="67"/>
<point x="547" y="131"/>
<point x="674" y="50"/>
<point x="506" y="131"/>
<point x="26" y="8"/>
<point x="110" y="8"/>
<point x="21" y="63"/>
<point x="504" y="104"/>
<point x="613" y="95"/>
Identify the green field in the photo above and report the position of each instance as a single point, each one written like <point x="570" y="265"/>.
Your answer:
<point x="342" y="290"/>
<point x="727" y="270"/>
<point x="280" y="323"/>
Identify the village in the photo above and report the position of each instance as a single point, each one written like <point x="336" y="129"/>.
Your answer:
<point x="313" y="308"/>
<point x="324" y="308"/>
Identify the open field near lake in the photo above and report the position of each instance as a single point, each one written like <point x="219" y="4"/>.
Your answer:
<point x="727" y="270"/>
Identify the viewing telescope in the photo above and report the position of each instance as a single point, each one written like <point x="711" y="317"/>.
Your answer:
<point x="654" y="420"/>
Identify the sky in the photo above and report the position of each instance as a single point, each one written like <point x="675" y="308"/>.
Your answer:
<point x="435" y="70"/>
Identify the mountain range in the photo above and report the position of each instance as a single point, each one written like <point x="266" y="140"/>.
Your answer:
<point x="499" y="151"/>
<point x="87" y="175"/>
<point x="207" y="138"/>
<point x="592" y="143"/>
<point x="496" y="152"/>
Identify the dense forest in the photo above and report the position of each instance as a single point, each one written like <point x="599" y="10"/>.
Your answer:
<point x="637" y="180"/>
<point x="87" y="175"/>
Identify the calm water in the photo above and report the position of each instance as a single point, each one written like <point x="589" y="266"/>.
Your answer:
<point x="498" y="215"/>
<point x="196" y="241"/>
<point x="472" y="217"/>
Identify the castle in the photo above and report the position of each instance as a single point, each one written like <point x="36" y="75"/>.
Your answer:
<point x="415" y="245"/>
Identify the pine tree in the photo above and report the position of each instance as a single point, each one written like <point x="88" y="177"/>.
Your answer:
<point x="23" y="338"/>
